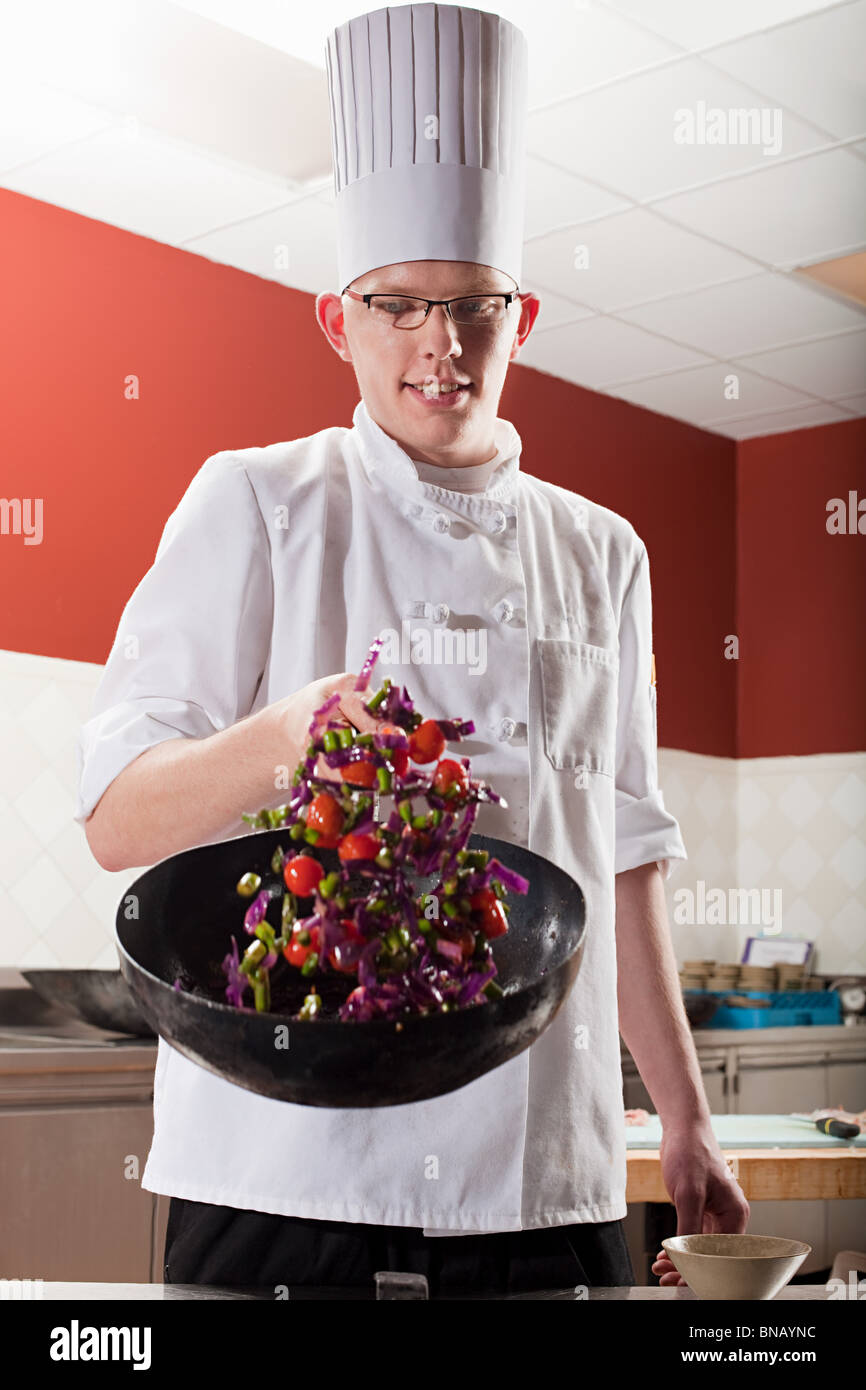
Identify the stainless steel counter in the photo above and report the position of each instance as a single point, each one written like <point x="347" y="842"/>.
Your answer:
<point x="133" y="1293"/>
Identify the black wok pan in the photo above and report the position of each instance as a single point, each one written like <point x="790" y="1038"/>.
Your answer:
<point x="188" y="910"/>
<point x="100" y="997"/>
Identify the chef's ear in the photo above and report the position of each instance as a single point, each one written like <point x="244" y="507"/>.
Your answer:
<point x="529" y="307"/>
<point x="329" y="316"/>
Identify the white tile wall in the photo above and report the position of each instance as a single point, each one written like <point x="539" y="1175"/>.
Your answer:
<point x="797" y="824"/>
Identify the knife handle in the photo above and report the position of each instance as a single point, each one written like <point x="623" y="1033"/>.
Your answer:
<point x="840" y="1129"/>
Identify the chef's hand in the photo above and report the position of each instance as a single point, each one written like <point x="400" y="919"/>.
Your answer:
<point x="707" y="1197"/>
<point x="293" y="716"/>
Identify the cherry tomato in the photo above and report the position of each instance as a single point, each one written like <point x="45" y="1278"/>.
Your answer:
<point x="463" y="936"/>
<point x="302" y="874"/>
<point x="397" y="757"/>
<point x="493" y="920"/>
<point x="339" y="961"/>
<point x="355" y="846"/>
<point x="359" y="774"/>
<point x="450" y="773"/>
<point x="427" y="742"/>
<point x="325" y="814"/>
<point x="295" y="952"/>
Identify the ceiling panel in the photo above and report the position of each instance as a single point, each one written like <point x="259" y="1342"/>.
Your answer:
<point x="35" y="119"/>
<point x="766" y="310"/>
<point x="294" y="244"/>
<point x="786" y="214"/>
<point x="599" y="350"/>
<point x="827" y="367"/>
<point x="632" y="257"/>
<point x="555" y="198"/>
<point x="699" y="394"/>
<point x="814" y="67"/>
<point x="147" y="184"/>
<point x="625" y="136"/>
<point x="777" y="421"/>
<point x="694" y="25"/>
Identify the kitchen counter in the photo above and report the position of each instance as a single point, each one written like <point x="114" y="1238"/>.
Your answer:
<point x="135" y="1293"/>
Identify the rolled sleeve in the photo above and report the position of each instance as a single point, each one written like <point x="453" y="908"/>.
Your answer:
<point x="645" y="831"/>
<point x="194" y="638"/>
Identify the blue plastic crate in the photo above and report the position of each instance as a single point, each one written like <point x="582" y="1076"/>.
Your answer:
<point x="788" y="1009"/>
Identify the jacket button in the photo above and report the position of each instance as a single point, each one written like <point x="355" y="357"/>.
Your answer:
<point x="441" y="522"/>
<point x="506" y="611"/>
<point x="506" y="729"/>
<point x="416" y="509"/>
<point x="498" y="522"/>
<point x="440" y="612"/>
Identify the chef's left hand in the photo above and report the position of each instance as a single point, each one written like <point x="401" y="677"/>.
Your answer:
<point x="707" y="1197"/>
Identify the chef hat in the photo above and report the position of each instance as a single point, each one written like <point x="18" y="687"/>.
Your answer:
<point x="428" y="108"/>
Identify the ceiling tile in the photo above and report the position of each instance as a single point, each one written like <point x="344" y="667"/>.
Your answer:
<point x="633" y="256"/>
<point x="810" y="67"/>
<point x="694" y="26"/>
<point x="828" y="367"/>
<point x="776" y="421"/>
<point x="699" y="394"/>
<point x="602" y="349"/>
<point x="576" y="46"/>
<point x="555" y="198"/>
<point x="555" y="310"/>
<point x="786" y="214"/>
<point x="294" y="245"/>
<point x="624" y="136"/>
<point x="147" y="184"/>
<point x="763" y="311"/>
<point x="35" y="119"/>
<point x="183" y="75"/>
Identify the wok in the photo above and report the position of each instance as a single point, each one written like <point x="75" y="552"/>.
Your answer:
<point x="186" y="910"/>
<point x="101" y="997"/>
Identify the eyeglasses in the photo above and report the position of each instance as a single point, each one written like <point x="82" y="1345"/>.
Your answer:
<point x="407" y="311"/>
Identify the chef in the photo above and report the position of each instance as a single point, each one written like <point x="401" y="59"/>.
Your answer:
<point x="501" y="598"/>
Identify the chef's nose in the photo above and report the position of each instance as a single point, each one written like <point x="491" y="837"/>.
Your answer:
<point x="440" y="334"/>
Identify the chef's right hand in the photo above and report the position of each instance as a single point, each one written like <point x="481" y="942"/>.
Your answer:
<point x="293" y="716"/>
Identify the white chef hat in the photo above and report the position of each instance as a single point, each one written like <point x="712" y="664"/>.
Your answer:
<point x="428" y="110"/>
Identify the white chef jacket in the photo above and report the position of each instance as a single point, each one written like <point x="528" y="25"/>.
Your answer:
<point x="279" y="566"/>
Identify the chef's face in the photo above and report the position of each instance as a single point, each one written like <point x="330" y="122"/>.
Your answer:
<point x="387" y="359"/>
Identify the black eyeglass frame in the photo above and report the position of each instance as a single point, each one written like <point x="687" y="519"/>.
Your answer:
<point x="508" y="295"/>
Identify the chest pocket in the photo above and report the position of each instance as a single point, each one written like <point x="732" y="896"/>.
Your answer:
<point x="579" y="684"/>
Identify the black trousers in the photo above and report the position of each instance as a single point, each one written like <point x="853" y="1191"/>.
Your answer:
<point x="224" y="1246"/>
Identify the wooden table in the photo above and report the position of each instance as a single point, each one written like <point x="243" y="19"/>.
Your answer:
<point x="773" y="1158"/>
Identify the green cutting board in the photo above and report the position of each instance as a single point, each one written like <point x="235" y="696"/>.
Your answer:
<point x="750" y="1132"/>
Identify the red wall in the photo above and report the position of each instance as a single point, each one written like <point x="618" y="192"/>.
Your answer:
<point x="226" y="360"/>
<point x="802" y="656"/>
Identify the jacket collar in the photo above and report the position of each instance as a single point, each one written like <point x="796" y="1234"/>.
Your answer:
<point x="384" y="458"/>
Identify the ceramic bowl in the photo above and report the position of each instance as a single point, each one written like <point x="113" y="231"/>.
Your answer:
<point x="728" y="1267"/>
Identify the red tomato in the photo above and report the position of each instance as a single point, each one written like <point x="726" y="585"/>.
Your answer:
<point x="427" y="742"/>
<point x="397" y="757"/>
<point x="464" y="937"/>
<point x="493" y="919"/>
<point x="359" y="774"/>
<point x="355" y="846"/>
<point x="325" y="814"/>
<point x="296" y="953"/>
<point x="302" y="874"/>
<point x="351" y="929"/>
<point x="450" y="773"/>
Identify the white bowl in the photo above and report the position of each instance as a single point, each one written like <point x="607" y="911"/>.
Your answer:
<point x="736" y="1267"/>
